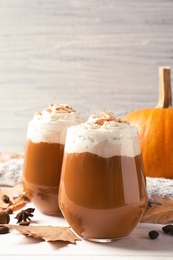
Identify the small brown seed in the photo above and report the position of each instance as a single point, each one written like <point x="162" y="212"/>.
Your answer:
<point x="3" y="229"/>
<point x="8" y="210"/>
<point x="4" y="217"/>
<point x="168" y="228"/>
<point x="24" y="223"/>
<point x="5" y="199"/>
<point x="153" y="234"/>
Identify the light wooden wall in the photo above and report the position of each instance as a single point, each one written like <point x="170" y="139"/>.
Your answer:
<point x="93" y="55"/>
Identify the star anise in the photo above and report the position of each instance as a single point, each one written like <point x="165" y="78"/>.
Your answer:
<point x="24" y="215"/>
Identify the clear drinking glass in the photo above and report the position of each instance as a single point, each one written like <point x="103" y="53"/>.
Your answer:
<point x="43" y="155"/>
<point x="102" y="192"/>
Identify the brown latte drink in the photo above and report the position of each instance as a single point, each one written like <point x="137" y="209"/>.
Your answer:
<point x="102" y="191"/>
<point x="44" y="153"/>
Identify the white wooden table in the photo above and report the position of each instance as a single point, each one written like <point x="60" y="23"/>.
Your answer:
<point x="93" y="55"/>
<point x="137" y="246"/>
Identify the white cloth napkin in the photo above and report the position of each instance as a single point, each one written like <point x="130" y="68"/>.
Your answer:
<point x="11" y="172"/>
<point x="160" y="187"/>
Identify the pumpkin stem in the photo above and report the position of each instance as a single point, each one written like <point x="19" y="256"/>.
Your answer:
<point x="165" y="95"/>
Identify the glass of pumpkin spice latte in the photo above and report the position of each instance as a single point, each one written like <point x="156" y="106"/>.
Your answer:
<point x="102" y="192"/>
<point x="44" y="153"/>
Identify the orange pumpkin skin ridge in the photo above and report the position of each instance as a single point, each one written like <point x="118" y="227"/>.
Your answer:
<point x="155" y="129"/>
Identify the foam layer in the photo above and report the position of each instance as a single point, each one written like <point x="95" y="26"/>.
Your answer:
<point x="104" y="135"/>
<point x="51" y="124"/>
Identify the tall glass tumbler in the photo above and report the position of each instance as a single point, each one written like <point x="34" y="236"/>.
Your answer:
<point x="44" y="153"/>
<point x="102" y="192"/>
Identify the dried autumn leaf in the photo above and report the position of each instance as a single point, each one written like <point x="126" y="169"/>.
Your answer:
<point x="47" y="233"/>
<point x="159" y="213"/>
<point x="18" y="203"/>
<point x="17" y="197"/>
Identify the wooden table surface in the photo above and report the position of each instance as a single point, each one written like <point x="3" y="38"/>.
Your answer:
<point x="93" y="55"/>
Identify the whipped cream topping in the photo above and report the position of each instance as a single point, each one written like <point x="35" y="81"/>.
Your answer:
<point x="56" y="113"/>
<point x="51" y="124"/>
<point x="104" y="135"/>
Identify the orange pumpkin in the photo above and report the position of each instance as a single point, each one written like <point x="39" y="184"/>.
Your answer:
<point x="155" y="129"/>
